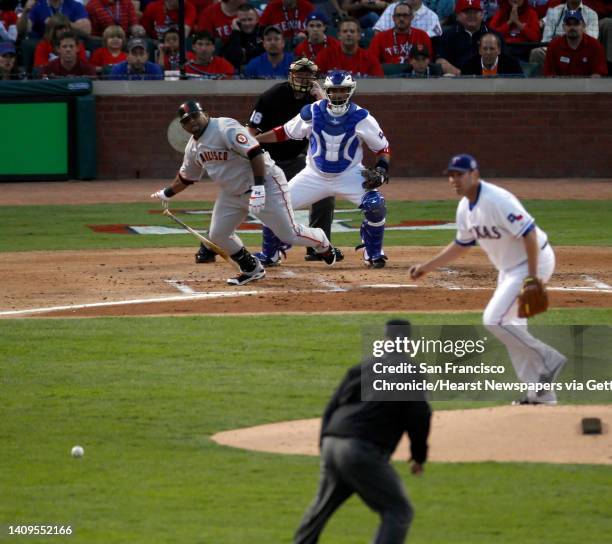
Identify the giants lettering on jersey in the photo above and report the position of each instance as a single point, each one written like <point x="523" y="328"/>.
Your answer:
<point x="486" y="232"/>
<point x="333" y="141"/>
<point x="213" y="156"/>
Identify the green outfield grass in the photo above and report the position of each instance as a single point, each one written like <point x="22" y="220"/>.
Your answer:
<point x="143" y="396"/>
<point x="27" y="228"/>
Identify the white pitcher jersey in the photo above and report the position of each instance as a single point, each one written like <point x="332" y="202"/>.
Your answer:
<point x="335" y="142"/>
<point x="497" y="221"/>
<point x="223" y="151"/>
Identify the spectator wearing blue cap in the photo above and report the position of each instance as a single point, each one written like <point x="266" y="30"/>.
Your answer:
<point x="274" y="63"/>
<point x="137" y="66"/>
<point x="494" y="219"/>
<point x="8" y="68"/>
<point x="576" y="53"/>
<point x="553" y="26"/>
<point x="317" y="39"/>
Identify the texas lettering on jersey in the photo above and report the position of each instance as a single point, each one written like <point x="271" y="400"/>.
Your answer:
<point x="482" y="232"/>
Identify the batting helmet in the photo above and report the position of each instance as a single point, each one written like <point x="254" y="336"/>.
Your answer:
<point x="302" y="74"/>
<point x="189" y="108"/>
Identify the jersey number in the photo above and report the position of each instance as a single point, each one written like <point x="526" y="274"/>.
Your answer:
<point x="256" y="118"/>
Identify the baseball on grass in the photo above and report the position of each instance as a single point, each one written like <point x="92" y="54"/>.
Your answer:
<point x="77" y="451"/>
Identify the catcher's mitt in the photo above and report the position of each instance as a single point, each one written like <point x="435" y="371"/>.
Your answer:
<point x="374" y="177"/>
<point x="533" y="298"/>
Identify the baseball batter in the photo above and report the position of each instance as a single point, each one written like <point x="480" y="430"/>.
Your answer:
<point x="336" y="129"/>
<point x="496" y="220"/>
<point x="250" y="183"/>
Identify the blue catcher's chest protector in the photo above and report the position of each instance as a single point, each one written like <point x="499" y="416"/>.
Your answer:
<point x="334" y="141"/>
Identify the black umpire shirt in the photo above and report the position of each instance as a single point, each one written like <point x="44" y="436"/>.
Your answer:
<point x="379" y="422"/>
<point x="275" y="107"/>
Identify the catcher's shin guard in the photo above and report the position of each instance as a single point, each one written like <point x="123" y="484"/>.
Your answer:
<point x="270" y="243"/>
<point x="373" y="227"/>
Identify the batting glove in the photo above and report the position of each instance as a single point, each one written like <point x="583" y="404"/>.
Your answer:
<point x="257" y="201"/>
<point x="161" y="195"/>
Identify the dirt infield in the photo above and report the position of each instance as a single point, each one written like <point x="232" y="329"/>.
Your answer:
<point x="166" y="281"/>
<point x="538" y="434"/>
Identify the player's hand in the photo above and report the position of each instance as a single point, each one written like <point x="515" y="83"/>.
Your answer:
<point x="257" y="201"/>
<point x="416" y="468"/>
<point x="160" y="195"/>
<point x="317" y="91"/>
<point x="416" y="271"/>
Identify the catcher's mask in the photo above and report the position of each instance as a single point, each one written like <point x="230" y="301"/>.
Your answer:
<point x="189" y="108"/>
<point x="302" y="74"/>
<point x="339" y="87"/>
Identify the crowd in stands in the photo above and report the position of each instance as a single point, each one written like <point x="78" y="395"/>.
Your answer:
<point x="139" y="39"/>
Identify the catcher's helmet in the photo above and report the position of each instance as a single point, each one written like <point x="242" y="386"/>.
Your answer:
<point x="189" y="108"/>
<point x="339" y="101"/>
<point x="302" y="74"/>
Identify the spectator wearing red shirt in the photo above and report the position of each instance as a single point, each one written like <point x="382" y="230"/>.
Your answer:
<point x="160" y="15"/>
<point x="517" y="22"/>
<point x="349" y="57"/>
<point x="289" y="16"/>
<point x="317" y="40"/>
<point x="44" y="53"/>
<point x="206" y="65"/>
<point x="8" y="26"/>
<point x="217" y="19"/>
<point x="111" y="52"/>
<point x="168" y="51"/>
<point x="575" y="53"/>
<point x="68" y="63"/>
<point x="105" y="13"/>
<point x="392" y="46"/>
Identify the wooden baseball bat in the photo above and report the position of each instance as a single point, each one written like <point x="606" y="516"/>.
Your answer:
<point x="208" y="243"/>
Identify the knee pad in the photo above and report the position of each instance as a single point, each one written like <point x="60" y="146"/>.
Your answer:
<point x="373" y="207"/>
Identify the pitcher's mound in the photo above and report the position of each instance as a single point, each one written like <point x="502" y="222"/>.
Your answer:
<point x="542" y="434"/>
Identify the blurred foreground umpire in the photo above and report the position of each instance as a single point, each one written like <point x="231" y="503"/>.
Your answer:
<point x="357" y="440"/>
<point x="275" y="107"/>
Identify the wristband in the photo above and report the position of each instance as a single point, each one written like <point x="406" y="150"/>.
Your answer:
<point x="382" y="163"/>
<point x="259" y="180"/>
<point x="169" y="192"/>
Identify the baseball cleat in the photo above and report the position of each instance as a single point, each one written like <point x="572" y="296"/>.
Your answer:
<point x="332" y="256"/>
<point x="275" y="260"/>
<point x="246" y="277"/>
<point x="205" y="255"/>
<point x="377" y="263"/>
<point x="312" y="256"/>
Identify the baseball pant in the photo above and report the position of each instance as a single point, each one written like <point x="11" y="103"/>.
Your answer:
<point x="350" y="465"/>
<point x="309" y="186"/>
<point x="231" y="210"/>
<point x="321" y="212"/>
<point x="528" y="354"/>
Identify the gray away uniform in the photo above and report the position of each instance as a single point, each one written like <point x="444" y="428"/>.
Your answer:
<point x="222" y="150"/>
